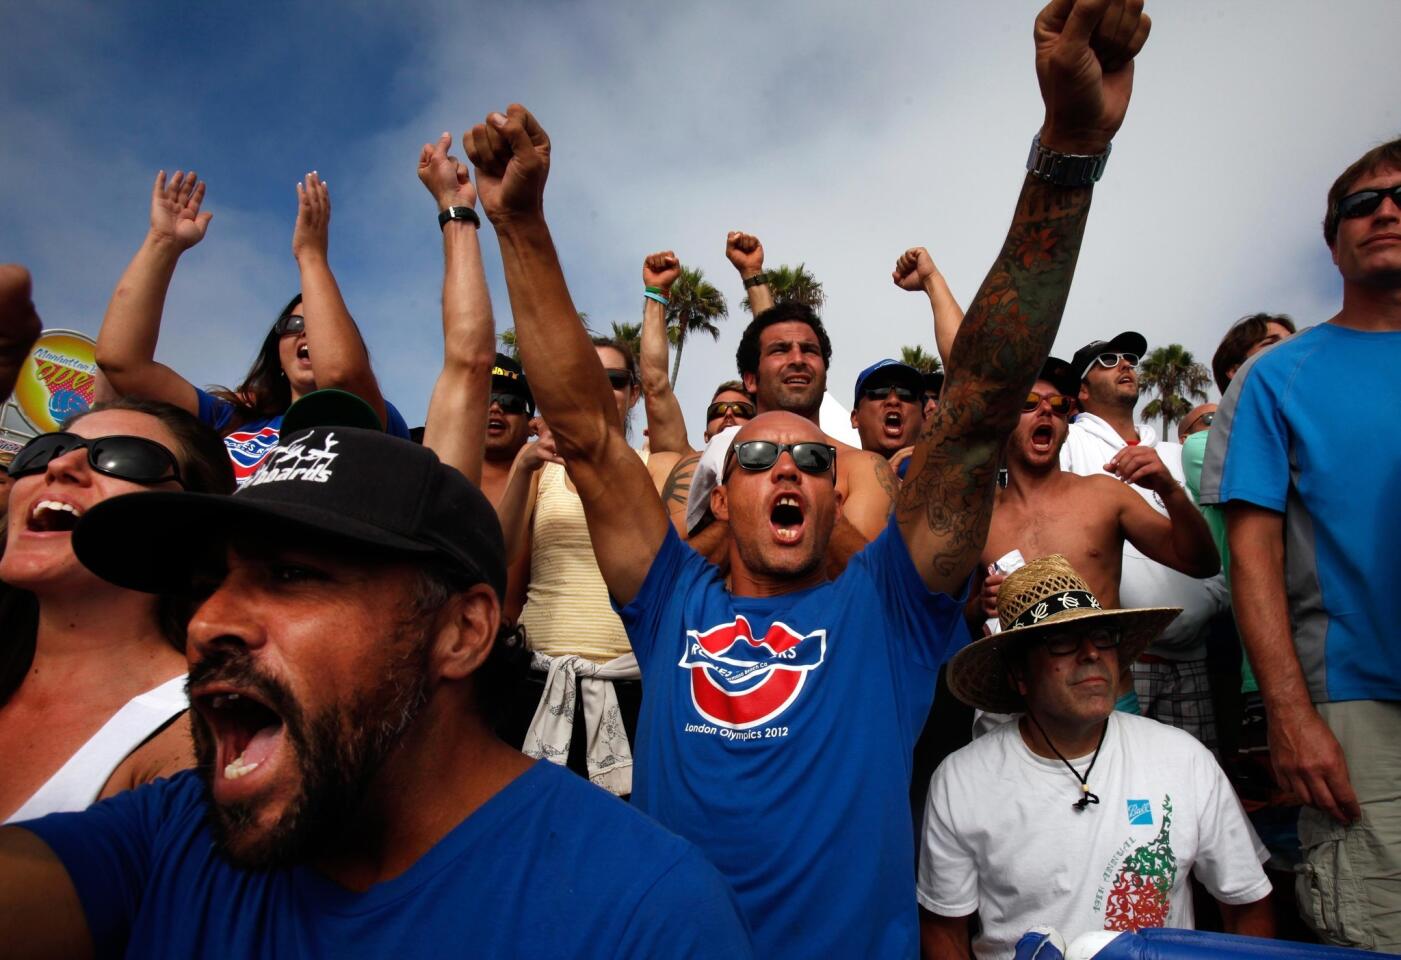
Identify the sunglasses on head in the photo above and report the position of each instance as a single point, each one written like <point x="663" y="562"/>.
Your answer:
<point x="1111" y="360"/>
<point x="127" y="458"/>
<point x="510" y="402"/>
<point x="809" y="456"/>
<point x="1059" y="402"/>
<point x="880" y="393"/>
<point x="1364" y="202"/>
<point x="721" y="408"/>
<point x="619" y="379"/>
<point x="1065" y="644"/>
<point x="292" y="323"/>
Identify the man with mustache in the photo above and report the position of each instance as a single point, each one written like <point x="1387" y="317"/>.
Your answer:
<point x="350" y="798"/>
<point x="1098" y="815"/>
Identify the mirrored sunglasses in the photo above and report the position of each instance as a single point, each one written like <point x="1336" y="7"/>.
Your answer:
<point x="292" y="323"/>
<point x="1058" y="402"/>
<point x="127" y="458"/>
<point x="721" y="408"/>
<point x="510" y="402"/>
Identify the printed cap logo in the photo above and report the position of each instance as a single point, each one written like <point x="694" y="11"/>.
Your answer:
<point x="293" y="461"/>
<point x="740" y="682"/>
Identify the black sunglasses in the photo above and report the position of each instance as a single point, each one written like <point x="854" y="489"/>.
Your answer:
<point x="292" y="323"/>
<point x="510" y="402"/>
<point x="722" y="408"/>
<point x="127" y="458"/>
<point x="619" y="379"/>
<point x="809" y="455"/>
<point x="880" y="393"/>
<point x="1363" y="202"/>
<point x="1063" y="645"/>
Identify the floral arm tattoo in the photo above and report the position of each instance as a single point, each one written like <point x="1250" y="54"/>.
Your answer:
<point x="945" y="503"/>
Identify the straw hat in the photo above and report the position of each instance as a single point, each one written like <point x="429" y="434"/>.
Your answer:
<point x="1044" y="598"/>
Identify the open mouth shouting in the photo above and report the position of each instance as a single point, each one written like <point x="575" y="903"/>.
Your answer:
<point x="787" y="518"/>
<point x="1043" y="438"/>
<point x="53" y="516"/>
<point x="893" y="424"/>
<point x="303" y="352"/>
<point x="248" y="735"/>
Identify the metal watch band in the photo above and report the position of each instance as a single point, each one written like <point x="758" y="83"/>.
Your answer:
<point x="458" y="213"/>
<point x="1066" y="169"/>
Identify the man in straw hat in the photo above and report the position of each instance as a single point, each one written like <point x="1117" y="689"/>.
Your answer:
<point x="1075" y="816"/>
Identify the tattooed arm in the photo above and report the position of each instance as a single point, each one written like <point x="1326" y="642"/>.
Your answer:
<point x="1084" y="62"/>
<point x="870" y="491"/>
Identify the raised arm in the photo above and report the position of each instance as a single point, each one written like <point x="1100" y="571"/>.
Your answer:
<point x="126" y="344"/>
<point x="338" y="354"/>
<point x="625" y="516"/>
<point x="457" y="411"/>
<point x="747" y="254"/>
<point x="915" y="270"/>
<point x="1181" y="540"/>
<point x="946" y="500"/>
<point x="19" y="323"/>
<point x="666" y="425"/>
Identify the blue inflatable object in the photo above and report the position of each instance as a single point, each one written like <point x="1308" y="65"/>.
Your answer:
<point x="1169" y="944"/>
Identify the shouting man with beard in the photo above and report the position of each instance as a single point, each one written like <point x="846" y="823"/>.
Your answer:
<point x="349" y="797"/>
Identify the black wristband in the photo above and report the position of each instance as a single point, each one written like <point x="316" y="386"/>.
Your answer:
<point x="458" y="213"/>
<point x="756" y="280"/>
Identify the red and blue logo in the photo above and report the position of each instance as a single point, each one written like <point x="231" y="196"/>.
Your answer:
<point x="740" y="682"/>
<point x="248" y="449"/>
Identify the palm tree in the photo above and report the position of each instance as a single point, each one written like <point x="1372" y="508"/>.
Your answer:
<point x="916" y="357"/>
<point x="507" y="337"/>
<point x="695" y="306"/>
<point x="630" y="334"/>
<point x="1178" y="380"/>
<point x="793" y="284"/>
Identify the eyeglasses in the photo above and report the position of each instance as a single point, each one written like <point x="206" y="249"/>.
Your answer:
<point x="1111" y="360"/>
<point x="1063" y="645"/>
<point x="721" y="408"/>
<point x="1205" y="419"/>
<point x="292" y="323"/>
<point x="809" y="456"/>
<point x="1363" y="202"/>
<point x="510" y="402"/>
<point x="127" y="458"/>
<point x="1059" y="402"/>
<point x="619" y="379"/>
<point x="880" y="393"/>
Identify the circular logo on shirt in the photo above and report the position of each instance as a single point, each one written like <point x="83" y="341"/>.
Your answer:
<point x="738" y="681"/>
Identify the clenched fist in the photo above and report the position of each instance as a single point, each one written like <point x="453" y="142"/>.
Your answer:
<point x="511" y="153"/>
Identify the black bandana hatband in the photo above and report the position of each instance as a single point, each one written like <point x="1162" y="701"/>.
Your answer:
<point x="1055" y="603"/>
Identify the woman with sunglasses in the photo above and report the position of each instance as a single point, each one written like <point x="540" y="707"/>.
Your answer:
<point x="92" y="698"/>
<point x="313" y="344"/>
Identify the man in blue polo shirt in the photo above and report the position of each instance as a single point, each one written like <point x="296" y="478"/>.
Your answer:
<point x="1313" y="517"/>
<point x="781" y="708"/>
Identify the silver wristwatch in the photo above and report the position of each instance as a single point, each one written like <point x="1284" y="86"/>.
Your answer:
<point x="1066" y="169"/>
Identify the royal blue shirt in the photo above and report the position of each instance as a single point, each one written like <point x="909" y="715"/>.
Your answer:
<point x="1309" y="429"/>
<point x="250" y="444"/>
<point x="549" y="867"/>
<point x="777" y="734"/>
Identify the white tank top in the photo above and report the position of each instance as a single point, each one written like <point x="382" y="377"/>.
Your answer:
<point x="78" y="782"/>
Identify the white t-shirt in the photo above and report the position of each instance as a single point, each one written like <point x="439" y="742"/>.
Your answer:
<point x="1001" y="836"/>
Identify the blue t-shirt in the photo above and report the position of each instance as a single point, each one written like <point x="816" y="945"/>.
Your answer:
<point x="549" y="867"/>
<point x="777" y="734"/>
<point x="250" y="444"/>
<point x="1309" y="429"/>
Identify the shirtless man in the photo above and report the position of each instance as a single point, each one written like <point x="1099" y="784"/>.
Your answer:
<point x="1046" y="510"/>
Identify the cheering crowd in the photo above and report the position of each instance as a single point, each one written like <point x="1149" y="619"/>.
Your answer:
<point x="280" y="676"/>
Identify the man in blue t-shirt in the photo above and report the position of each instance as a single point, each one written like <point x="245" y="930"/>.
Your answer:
<point x="780" y="708"/>
<point x="349" y="797"/>
<point x="1307" y="474"/>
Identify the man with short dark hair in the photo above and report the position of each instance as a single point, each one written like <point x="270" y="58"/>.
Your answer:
<point x="1075" y="816"/>
<point x="782" y="707"/>
<point x="888" y="408"/>
<point x="350" y="798"/>
<point x="1171" y="679"/>
<point x="1312" y="515"/>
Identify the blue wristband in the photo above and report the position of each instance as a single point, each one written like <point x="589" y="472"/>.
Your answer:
<point x="657" y="297"/>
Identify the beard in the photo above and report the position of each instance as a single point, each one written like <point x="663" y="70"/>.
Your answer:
<point x="338" y="751"/>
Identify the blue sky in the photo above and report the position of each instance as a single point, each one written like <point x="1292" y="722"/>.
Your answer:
<point x="840" y="135"/>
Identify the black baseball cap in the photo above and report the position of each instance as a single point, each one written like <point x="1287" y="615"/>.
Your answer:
<point x="1057" y="372"/>
<point x="361" y="487"/>
<point x="934" y="382"/>
<point x="508" y="377"/>
<point x="330" y="408"/>
<point x="1126" y="342"/>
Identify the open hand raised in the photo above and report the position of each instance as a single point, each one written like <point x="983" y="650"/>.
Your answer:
<point x="175" y="213"/>
<point x="311" y="235"/>
<point x="1084" y="63"/>
<point x="511" y="153"/>
<point x="445" y="176"/>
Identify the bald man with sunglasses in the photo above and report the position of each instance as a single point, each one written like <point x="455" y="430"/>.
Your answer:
<point x="1045" y="510"/>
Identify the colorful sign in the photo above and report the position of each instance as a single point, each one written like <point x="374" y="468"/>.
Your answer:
<point x="57" y="379"/>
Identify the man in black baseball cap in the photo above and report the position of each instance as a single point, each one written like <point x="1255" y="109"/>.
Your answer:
<point x="349" y="791"/>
